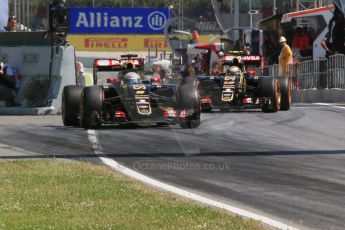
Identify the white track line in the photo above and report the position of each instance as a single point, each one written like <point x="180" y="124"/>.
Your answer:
<point x="326" y="104"/>
<point x="97" y="148"/>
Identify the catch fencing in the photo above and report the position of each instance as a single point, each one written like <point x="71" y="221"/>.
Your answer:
<point x="320" y="74"/>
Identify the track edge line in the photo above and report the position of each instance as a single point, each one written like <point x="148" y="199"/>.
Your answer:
<point x="97" y="148"/>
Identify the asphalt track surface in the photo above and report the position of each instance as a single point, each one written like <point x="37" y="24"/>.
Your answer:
<point x="288" y="166"/>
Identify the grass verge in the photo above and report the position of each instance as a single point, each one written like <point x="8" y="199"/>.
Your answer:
<point x="57" y="195"/>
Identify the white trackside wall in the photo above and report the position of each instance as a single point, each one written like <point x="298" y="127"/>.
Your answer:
<point x="38" y="89"/>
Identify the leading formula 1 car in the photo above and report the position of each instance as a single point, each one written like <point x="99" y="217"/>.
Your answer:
<point x="237" y="86"/>
<point x="122" y="97"/>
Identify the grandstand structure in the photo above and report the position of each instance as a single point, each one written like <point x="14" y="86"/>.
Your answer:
<point x="310" y="4"/>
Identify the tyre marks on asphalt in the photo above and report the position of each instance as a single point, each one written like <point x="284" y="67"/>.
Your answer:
<point x="98" y="150"/>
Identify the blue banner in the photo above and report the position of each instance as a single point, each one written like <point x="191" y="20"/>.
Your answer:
<point x="3" y="14"/>
<point x="118" y="20"/>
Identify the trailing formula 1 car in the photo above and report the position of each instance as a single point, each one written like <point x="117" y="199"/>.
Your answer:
<point x="122" y="97"/>
<point x="238" y="86"/>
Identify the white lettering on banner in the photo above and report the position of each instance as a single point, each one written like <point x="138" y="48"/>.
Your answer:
<point x="92" y="20"/>
<point x="82" y="20"/>
<point x="115" y="22"/>
<point x="105" y="20"/>
<point x="156" y="20"/>
<point x="138" y="23"/>
<point x="251" y="58"/>
<point x="127" y="22"/>
<point x="99" y="24"/>
<point x="98" y="19"/>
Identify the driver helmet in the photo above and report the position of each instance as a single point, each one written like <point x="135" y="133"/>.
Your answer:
<point x="220" y="54"/>
<point x="132" y="78"/>
<point x="236" y="62"/>
<point x="234" y="70"/>
<point x="130" y="65"/>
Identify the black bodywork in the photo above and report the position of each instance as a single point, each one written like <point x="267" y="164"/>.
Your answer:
<point x="121" y="101"/>
<point x="231" y="91"/>
<point x="140" y="103"/>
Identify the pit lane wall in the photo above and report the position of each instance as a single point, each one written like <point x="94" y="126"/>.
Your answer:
<point x="126" y="43"/>
<point x="43" y="72"/>
<point x="320" y="81"/>
<point x="318" y="96"/>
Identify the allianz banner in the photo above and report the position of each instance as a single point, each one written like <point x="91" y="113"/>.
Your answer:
<point x="118" y="20"/>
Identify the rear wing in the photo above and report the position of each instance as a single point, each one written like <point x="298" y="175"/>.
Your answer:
<point x="108" y="65"/>
<point x="245" y="59"/>
<point x="117" y="65"/>
<point x="256" y="61"/>
<point x="138" y="63"/>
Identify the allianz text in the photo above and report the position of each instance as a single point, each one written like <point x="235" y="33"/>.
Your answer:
<point x="103" y="20"/>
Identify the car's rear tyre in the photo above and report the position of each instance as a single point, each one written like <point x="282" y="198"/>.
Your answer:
<point x="70" y="104"/>
<point x="270" y="91"/>
<point x="285" y="90"/>
<point x="91" y="104"/>
<point x="189" y="100"/>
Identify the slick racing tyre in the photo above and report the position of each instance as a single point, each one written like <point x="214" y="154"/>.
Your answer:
<point x="70" y="104"/>
<point x="189" y="102"/>
<point x="285" y="91"/>
<point x="90" y="105"/>
<point x="270" y="92"/>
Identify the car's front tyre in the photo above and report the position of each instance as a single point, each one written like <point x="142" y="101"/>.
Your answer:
<point x="91" y="105"/>
<point x="189" y="103"/>
<point x="70" y="104"/>
<point x="270" y="92"/>
<point x="285" y="90"/>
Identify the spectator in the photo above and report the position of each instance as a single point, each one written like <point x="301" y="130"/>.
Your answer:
<point x="11" y="24"/>
<point x="296" y="40"/>
<point x="80" y="74"/>
<point x="304" y="45"/>
<point x="197" y="61"/>
<point x="311" y="34"/>
<point x="285" y="57"/>
<point x="266" y="45"/>
<point x="41" y="18"/>
<point x="191" y="70"/>
<point x="239" y="45"/>
<point x="156" y="68"/>
<point x="83" y="79"/>
<point x="14" y="26"/>
<point x="275" y="48"/>
<point x="334" y="40"/>
<point x="255" y="46"/>
<point x="163" y="74"/>
<point x="220" y="61"/>
<point x="195" y="35"/>
<point x="9" y="84"/>
<point x="205" y="60"/>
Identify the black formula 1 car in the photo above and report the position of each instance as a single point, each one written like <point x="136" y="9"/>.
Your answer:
<point x="238" y="86"/>
<point x="122" y="97"/>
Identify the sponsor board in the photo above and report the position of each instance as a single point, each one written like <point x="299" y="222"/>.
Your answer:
<point x="122" y="42"/>
<point x="106" y="43"/>
<point x="118" y="20"/>
<point x="159" y="43"/>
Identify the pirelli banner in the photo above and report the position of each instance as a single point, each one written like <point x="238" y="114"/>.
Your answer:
<point x="122" y="42"/>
